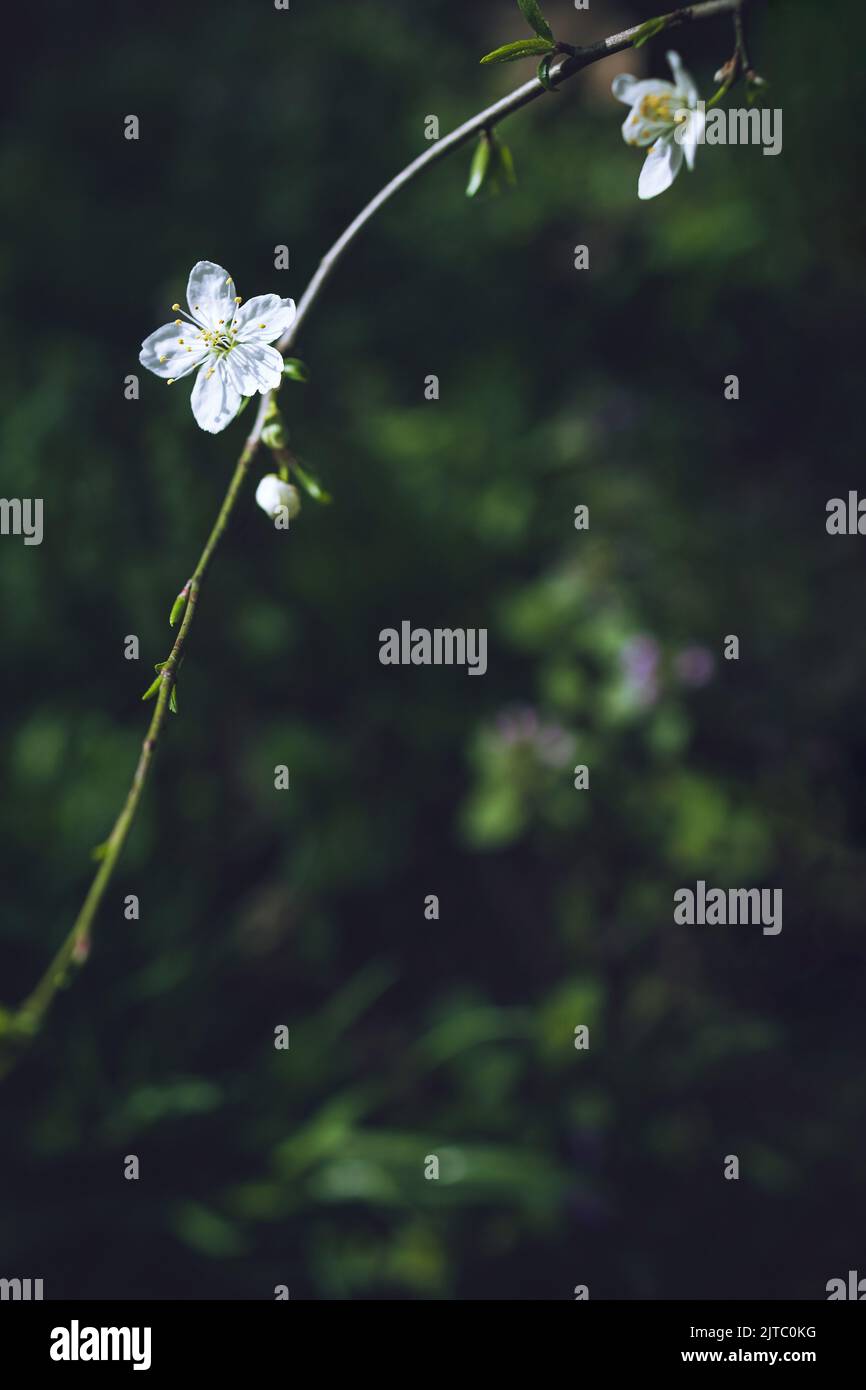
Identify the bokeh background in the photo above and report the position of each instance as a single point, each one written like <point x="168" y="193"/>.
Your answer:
<point x="454" y="1037"/>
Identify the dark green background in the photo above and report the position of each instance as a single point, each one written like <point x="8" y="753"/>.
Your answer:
<point x="558" y="387"/>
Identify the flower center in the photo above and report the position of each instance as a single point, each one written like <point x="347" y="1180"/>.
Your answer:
<point x="219" y="341"/>
<point x="661" y="108"/>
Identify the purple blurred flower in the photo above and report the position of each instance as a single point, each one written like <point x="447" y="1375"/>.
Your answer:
<point x="551" y="743"/>
<point x="640" y="661"/>
<point x="517" y="724"/>
<point x="695" y="666"/>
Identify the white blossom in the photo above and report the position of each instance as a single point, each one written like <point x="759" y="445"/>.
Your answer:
<point x="227" y="340"/>
<point x="664" y="116"/>
<point x="273" y="493"/>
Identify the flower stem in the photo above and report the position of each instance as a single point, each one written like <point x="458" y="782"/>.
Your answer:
<point x="25" y="1022"/>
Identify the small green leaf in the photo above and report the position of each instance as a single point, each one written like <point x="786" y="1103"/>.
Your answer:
<point x="296" y="370"/>
<point x="531" y="11"/>
<point x="172" y="700"/>
<point x="479" y="168"/>
<point x="523" y="48"/>
<point x="498" y="167"/>
<point x="99" y="851"/>
<point x="649" y="30"/>
<point x="310" y="484"/>
<point x="544" y="72"/>
<point x="178" y="607"/>
<point x="243" y="405"/>
<point x="152" y="689"/>
<point x="505" y="165"/>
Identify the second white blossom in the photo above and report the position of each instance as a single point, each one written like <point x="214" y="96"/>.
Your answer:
<point x="664" y="116"/>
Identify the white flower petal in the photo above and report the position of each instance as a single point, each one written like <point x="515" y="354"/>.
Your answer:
<point x="627" y="88"/>
<point x="692" y="136"/>
<point x="264" y="318"/>
<point x="240" y="378"/>
<point x="641" y="131"/>
<point x="622" y="85"/>
<point x="210" y="294"/>
<point x="255" y="367"/>
<point x="215" y="399"/>
<point x="661" y="167"/>
<point x="683" y="80"/>
<point x="164" y="354"/>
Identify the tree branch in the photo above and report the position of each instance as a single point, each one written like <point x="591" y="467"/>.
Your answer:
<point x="17" y="1027"/>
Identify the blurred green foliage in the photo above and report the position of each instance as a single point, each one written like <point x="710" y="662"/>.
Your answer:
<point x="453" y="1037"/>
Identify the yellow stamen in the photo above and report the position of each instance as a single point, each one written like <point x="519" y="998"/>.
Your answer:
<point x="176" y="307"/>
<point x="658" y="108"/>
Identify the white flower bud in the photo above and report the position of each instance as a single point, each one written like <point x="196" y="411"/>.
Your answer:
<point x="272" y="494"/>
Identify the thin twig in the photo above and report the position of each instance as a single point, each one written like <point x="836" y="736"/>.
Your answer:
<point x="742" y="48"/>
<point x="23" y="1023"/>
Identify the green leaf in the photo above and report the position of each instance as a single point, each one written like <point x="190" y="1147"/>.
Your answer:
<point x="99" y="851"/>
<point x="172" y="700"/>
<point x="177" y="607"/>
<point x="505" y="165"/>
<point x="531" y="11"/>
<point x="544" y="72"/>
<point x="243" y="405"/>
<point x="152" y="689"/>
<point x="649" y="30"/>
<point x="480" y="166"/>
<point x="310" y="484"/>
<point x="498" y="168"/>
<point x="296" y="370"/>
<point x="523" y="48"/>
